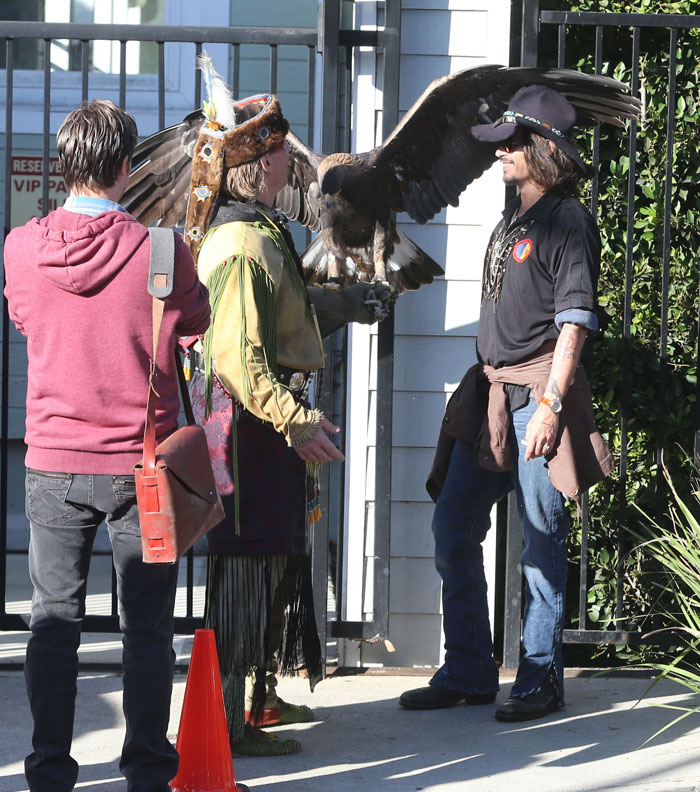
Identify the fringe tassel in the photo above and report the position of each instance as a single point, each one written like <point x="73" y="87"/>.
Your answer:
<point x="216" y="283"/>
<point x="247" y="597"/>
<point x="234" y="465"/>
<point x="295" y="277"/>
<point x="313" y="491"/>
<point x="300" y="642"/>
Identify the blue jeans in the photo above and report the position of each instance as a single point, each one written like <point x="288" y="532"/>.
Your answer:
<point x="460" y="524"/>
<point x="64" y="511"/>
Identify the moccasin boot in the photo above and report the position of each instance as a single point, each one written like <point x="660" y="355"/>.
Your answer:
<point x="437" y="697"/>
<point x="282" y="713"/>
<point x="295" y="713"/>
<point x="268" y="717"/>
<point x="256" y="742"/>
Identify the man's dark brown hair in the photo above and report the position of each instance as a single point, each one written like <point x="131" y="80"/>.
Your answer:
<point x="92" y="143"/>
<point x="553" y="171"/>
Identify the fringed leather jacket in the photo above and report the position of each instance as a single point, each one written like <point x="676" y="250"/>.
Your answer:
<point x="262" y="320"/>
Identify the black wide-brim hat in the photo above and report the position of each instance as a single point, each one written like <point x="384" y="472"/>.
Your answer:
<point x="541" y="110"/>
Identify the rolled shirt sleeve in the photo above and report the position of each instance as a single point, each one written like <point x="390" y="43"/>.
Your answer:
<point x="578" y="316"/>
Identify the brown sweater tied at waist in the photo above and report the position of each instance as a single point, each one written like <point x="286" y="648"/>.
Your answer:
<point x="478" y="413"/>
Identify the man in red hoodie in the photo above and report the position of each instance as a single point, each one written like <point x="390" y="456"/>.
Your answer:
<point x="76" y="285"/>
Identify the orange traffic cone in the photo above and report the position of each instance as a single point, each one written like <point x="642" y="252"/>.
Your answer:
<point x="206" y="764"/>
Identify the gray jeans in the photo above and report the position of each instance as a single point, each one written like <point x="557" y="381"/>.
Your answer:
<point x="64" y="511"/>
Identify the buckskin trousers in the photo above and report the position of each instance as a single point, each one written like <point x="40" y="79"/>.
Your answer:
<point x="64" y="512"/>
<point x="460" y="523"/>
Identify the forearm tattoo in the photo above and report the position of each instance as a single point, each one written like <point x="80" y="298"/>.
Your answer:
<point x="553" y="388"/>
<point x="567" y="347"/>
<point x="566" y="355"/>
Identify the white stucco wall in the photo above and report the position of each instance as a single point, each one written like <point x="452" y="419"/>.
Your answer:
<point x="435" y="335"/>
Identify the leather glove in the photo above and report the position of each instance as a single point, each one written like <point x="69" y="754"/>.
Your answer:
<point x="368" y="303"/>
<point x="362" y="302"/>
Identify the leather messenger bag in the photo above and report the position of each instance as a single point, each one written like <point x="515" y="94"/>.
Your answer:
<point x="175" y="489"/>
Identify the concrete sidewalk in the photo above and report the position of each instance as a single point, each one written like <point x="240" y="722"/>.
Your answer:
<point x="364" y="741"/>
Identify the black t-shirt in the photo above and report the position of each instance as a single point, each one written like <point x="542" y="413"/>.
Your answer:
<point x="552" y="267"/>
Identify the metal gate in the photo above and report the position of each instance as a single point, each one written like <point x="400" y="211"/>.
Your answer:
<point x="536" y="24"/>
<point x="336" y="44"/>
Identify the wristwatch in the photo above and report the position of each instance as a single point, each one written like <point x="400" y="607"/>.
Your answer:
<point x="553" y="404"/>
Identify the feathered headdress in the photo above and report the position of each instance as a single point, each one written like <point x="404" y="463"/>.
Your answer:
<point x="234" y="133"/>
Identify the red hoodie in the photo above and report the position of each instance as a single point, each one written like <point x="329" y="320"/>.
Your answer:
<point x="77" y="289"/>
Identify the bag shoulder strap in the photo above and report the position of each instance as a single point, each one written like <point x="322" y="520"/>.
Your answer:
<point x="161" y="275"/>
<point x="161" y="269"/>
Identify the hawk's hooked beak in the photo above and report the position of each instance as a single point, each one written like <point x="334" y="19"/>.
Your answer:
<point x="329" y="199"/>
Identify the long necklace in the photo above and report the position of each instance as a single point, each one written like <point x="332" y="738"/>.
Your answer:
<point x="507" y="235"/>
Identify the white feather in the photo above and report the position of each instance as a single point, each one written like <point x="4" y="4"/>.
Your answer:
<point x="218" y="93"/>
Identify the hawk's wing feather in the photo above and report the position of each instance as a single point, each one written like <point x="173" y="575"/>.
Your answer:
<point x="431" y="156"/>
<point x="159" y="183"/>
<point x="604" y="110"/>
<point x="300" y="199"/>
<point x="409" y="267"/>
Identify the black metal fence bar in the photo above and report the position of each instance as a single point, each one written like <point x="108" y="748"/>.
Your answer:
<point x="122" y="74"/>
<point x="160" y="33"/>
<point x="606" y="19"/>
<point x="389" y="40"/>
<point x="197" y="81"/>
<point x="273" y="68"/>
<point x="311" y="82"/>
<point x="595" y="195"/>
<point x="385" y="360"/>
<point x="161" y="85"/>
<point x="328" y="45"/>
<point x="512" y="584"/>
<point x="236" y="70"/>
<point x="189" y="558"/>
<point x="666" y="251"/>
<point x="627" y="322"/>
<point x="5" y="387"/>
<point x="84" y="72"/>
<point x="529" y="33"/>
<point x="561" y="46"/>
<point x="595" y="189"/>
<point x="46" y="128"/>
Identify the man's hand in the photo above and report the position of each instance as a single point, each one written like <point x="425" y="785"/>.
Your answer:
<point x="541" y="432"/>
<point x="320" y="448"/>
<point x="543" y="427"/>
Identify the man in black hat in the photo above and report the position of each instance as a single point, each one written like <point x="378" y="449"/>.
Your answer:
<point x="522" y="417"/>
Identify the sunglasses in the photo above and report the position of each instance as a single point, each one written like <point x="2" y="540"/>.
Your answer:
<point x="515" y="144"/>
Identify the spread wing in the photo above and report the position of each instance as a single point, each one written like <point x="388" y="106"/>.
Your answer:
<point x="161" y="167"/>
<point x="301" y="198"/>
<point x="431" y="156"/>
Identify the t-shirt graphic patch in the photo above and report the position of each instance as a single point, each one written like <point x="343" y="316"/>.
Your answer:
<point x="522" y="249"/>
